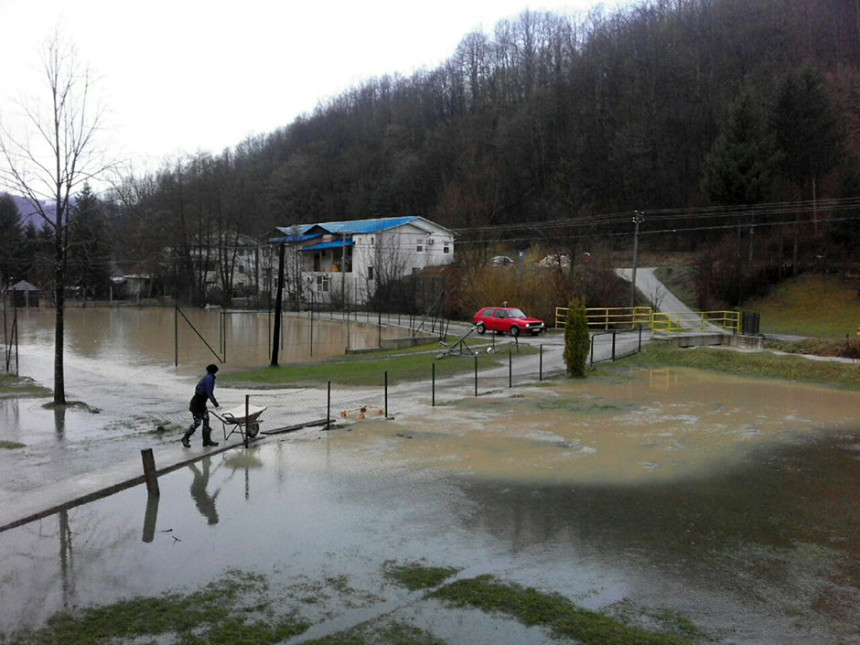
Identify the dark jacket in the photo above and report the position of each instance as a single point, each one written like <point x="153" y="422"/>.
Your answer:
<point x="204" y="391"/>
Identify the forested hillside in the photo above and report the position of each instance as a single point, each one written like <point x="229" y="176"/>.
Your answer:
<point x="547" y="117"/>
<point x="552" y="130"/>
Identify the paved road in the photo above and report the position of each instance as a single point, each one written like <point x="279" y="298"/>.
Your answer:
<point x="654" y="290"/>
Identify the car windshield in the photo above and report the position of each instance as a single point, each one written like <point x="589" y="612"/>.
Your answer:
<point x="516" y="313"/>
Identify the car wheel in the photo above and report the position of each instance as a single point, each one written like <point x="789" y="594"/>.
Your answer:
<point x="481" y="328"/>
<point x="515" y="331"/>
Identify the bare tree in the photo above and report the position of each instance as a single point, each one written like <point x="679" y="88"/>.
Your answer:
<point x="52" y="160"/>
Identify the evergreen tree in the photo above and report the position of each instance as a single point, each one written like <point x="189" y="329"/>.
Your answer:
<point x="741" y="165"/>
<point x="11" y="240"/>
<point x="576" y="340"/>
<point x="88" y="255"/>
<point x="808" y="129"/>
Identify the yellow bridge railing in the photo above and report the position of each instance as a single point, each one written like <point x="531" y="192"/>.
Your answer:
<point x="660" y="322"/>
<point x="609" y="317"/>
<point x="674" y="323"/>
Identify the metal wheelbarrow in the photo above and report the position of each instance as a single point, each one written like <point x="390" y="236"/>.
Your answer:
<point x="242" y="419"/>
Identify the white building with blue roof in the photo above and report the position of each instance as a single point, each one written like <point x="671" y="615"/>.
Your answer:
<point x="346" y="262"/>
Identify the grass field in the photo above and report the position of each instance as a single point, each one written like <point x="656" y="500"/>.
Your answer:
<point x="820" y="306"/>
<point x="403" y="365"/>
<point x="755" y="364"/>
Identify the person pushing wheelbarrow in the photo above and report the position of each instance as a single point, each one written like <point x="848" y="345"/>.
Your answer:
<point x="205" y="391"/>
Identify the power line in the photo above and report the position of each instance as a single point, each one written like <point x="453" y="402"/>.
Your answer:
<point x="803" y="212"/>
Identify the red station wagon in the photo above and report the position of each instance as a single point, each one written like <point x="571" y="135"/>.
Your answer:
<point x="507" y="320"/>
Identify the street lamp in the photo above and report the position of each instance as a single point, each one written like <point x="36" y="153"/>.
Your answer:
<point x="638" y="218"/>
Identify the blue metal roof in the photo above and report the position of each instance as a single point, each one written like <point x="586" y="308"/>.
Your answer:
<point x="336" y="244"/>
<point x="305" y="232"/>
<point x="292" y="236"/>
<point x="359" y="226"/>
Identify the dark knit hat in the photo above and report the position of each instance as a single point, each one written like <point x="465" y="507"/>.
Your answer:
<point x="212" y="368"/>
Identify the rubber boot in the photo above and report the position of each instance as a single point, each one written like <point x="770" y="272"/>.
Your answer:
<point x="207" y="438"/>
<point x="185" y="437"/>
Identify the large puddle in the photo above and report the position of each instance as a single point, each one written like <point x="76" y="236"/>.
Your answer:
<point x="732" y="501"/>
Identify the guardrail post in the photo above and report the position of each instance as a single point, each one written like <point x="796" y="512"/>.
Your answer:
<point x="510" y="369"/>
<point x="386" y="394"/>
<point x="613" y="345"/>
<point x="476" y="375"/>
<point x="433" y="385"/>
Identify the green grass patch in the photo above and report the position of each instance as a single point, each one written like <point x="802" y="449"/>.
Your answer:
<point x="11" y="445"/>
<point x="757" y="364"/>
<point x="417" y="576"/>
<point x="821" y="306"/>
<point x="380" y="632"/>
<point x="367" y="369"/>
<point x="19" y="387"/>
<point x="234" y="609"/>
<point x="562" y="617"/>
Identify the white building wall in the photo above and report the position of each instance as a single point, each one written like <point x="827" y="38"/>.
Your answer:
<point x="392" y="254"/>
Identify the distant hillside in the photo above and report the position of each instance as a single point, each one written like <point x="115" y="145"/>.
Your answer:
<point x="29" y="212"/>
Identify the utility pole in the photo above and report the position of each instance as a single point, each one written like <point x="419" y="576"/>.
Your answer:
<point x="638" y="218"/>
<point x="276" y="336"/>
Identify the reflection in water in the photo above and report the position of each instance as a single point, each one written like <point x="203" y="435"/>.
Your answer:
<point x="152" y="335"/>
<point x="204" y="501"/>
<point x="150" y="518"/>
<point x="662" y="377"/>
<point x="244" y="461"/>
<point x="66" y="559"/>
<point x="60" y="421"/>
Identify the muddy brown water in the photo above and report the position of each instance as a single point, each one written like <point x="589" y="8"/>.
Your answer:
<point x="731" y="501"/>
<point x="192" y="336"/>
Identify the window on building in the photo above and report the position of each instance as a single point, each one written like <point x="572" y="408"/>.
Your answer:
<point x="445" y="249"/>
<point x="323" y="283"/>
<point x="420" y="248"/>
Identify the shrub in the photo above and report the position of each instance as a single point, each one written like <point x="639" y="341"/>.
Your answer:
<point x="576" y="340"/>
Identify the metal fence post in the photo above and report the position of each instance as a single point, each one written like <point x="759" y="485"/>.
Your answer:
<point x="540" y="363"/>
<point x="433" y="385"/>
<point x="386" y="394"/>
<point x="476" y="375"/>
<point x="328" y="408"/>
<point x="247" y="422"/>
<point x="510" y="369"/>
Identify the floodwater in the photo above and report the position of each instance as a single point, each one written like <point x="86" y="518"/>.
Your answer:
<point x="192" y="337"/>
<point x="134" y="369"/>
<point x="731" y="501"/>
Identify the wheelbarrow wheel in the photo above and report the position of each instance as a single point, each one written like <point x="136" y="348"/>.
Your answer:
<point x="253" y="429"/>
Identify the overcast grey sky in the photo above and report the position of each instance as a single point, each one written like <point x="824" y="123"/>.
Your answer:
<point x="182" y="76"/>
